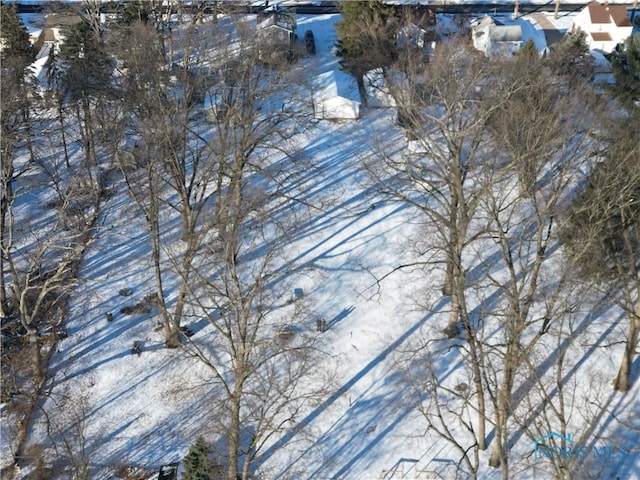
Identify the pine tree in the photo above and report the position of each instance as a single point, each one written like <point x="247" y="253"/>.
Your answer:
<point x="133" y="11"/>
<point x="603" y="232"/>
<point x="365" y="40"/>
<point x="197" y="464"/>
<point x="15" y="38"/>
<point x="529" y="49"/>
<point x="626" y="69"/>
<point x="87" y="70"/>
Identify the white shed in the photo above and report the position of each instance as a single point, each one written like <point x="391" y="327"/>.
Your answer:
<point x="336" y="96"/>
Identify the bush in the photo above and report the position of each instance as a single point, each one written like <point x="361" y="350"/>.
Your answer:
<point x="198" y="465"/>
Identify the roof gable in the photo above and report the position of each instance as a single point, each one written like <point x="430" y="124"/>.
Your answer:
<point x="277" y="20"/>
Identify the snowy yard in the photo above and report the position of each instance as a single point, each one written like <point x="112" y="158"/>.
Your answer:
<point x="147" y="410"/>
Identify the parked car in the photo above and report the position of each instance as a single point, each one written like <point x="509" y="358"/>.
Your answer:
<point x="309" y="42"/>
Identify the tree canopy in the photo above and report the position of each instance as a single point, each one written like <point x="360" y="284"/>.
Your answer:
<point x="365" y="40"/>
<point x="15" y="38"/>
<point x="626" y="69"/>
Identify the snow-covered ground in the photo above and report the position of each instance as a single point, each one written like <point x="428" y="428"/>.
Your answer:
<point x="147" y="410"/>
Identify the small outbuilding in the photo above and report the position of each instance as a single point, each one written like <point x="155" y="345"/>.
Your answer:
<point x="276" y="33"/>
<point x="336" y="96"/>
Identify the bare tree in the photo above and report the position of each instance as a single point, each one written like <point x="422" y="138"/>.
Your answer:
<point x="15" y="123"/>
<point x="260" y="351"/>
<point x="545" y="136"/>
<point x="195" y="170"/>
<point x="547" y="406"/>
<point x="443" y="178"/>
<point x="445" y="403"/>
<point x="66" y="423"/>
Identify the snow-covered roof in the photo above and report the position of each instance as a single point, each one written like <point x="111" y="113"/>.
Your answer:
<point x="506" y="33"/>
<point x="335" y="83"/>
<point x="483" y="22"/>
<point x="277" y="20"/>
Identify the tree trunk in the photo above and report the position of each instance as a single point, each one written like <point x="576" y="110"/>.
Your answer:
<point x="92" y="155"/>
<point x="4" y="209"/>
<point x="234" y="433"/>
<point x="246" y="465"/>
<point x="503" y="406"/>
<point x="36" y="356"/>
<point x="186" y="215"/>
<point x="482" y="429"/>
<point x="622" y="382"/>
<point x="155" y="253"/>
<point x="495" y="459"/>
<point x="63" y="135"/>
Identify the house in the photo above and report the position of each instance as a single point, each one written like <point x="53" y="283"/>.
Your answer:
<point x="276" y="34"/>
<point x="54" y="31"/>
<point x="336" y="96"/>
<point x="604" y="26"/>
<point x="417" y="27"/>
<point x="495" y="39"/>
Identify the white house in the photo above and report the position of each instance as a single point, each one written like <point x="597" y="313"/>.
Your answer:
<point x="495" y="39"/>
<point x="604" y="26"/>
<point x="336" y="96"/>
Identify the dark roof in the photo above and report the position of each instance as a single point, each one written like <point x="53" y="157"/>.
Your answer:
<point x="601" y="36"/>
<point x="608" y="13"/>
<point x="620" y="16"/>
<point x="62" y="20"/>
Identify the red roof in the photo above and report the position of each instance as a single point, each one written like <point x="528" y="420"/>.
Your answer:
<point x="601" y="36"/>
<point x="620" y="16"/>
<point x="616" y="14"/>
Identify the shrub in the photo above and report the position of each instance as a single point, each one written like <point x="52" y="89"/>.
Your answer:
<point x="197" y="464"/>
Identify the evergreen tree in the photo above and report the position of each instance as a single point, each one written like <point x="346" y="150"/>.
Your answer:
<point x="133" y="11"/>
<point x="15" y="38"/>
<point x="529" y="49"/>
<point x="626" y="69"/>
<point x="571" y="58"/>
<point x="17" y="53"/>
<point x="365" y="35"/>
<point x="87" y="71"/>
<point x="603" y="232"/>
<point x="197" y="464"/>
<point x="16" y="87"/>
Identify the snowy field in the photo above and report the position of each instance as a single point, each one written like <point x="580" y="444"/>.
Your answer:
<point x="147" y="410"/>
